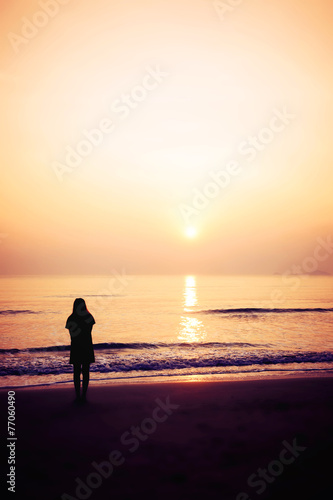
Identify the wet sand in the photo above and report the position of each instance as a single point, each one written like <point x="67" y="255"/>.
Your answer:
<point x="242" y="440"/>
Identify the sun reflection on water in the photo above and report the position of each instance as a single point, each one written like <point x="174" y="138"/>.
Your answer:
<point x="191" y="328"/>
<point x="190" y="293"/>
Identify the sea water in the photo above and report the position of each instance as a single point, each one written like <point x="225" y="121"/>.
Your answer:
<point x="168" y="327"/>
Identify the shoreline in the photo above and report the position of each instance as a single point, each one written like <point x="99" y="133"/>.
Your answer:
<point x="158" y="379"/>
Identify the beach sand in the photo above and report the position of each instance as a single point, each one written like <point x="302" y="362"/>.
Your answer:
<point x="194" y="440"/>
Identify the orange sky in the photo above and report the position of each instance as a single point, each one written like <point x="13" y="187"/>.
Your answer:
<point x="179" y="90"/>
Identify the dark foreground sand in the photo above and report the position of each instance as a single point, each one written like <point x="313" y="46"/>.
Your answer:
<point x="221" y="434"/>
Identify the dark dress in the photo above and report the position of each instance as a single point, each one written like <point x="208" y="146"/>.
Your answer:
<point x="82" y="350"/>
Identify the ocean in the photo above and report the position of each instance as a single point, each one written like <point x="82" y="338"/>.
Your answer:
<point x="151" y="328"/>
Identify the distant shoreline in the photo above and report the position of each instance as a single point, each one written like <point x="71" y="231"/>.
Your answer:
<point x="314" y="273"/>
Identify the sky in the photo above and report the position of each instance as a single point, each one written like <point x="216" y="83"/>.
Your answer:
<point x="165" y="136"/>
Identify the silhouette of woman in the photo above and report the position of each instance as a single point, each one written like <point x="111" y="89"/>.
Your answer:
<point x="80" y="324"/>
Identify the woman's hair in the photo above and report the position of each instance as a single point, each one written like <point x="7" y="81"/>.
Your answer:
<point x="80" y="308"/>
<point x="81" y="314"/>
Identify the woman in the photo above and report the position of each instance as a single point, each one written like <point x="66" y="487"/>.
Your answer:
<point x="80" y="324"/>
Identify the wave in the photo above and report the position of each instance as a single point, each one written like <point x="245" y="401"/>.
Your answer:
<point x="168" y="365"/>
<point x="18" y="311"/>
<point x="85" y="295"/>
<point x="132" y="345"/>
<point x="259" y="310"/>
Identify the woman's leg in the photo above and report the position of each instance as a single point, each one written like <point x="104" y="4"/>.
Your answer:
<point x="77" y="374"/>
<point x="85" y="382"/>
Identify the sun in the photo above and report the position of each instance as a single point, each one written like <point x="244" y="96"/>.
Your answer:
<point x="191" y="232"/>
